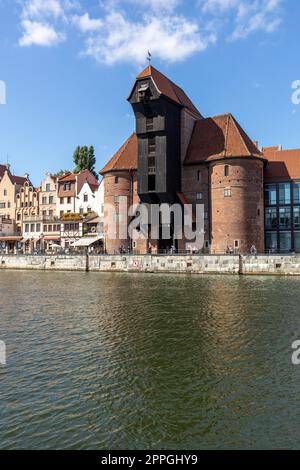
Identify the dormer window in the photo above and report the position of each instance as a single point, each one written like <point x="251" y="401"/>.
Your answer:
<point x="143" y="91"/>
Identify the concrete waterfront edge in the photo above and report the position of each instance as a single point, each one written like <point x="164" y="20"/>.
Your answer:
<point x="174" y="264"/>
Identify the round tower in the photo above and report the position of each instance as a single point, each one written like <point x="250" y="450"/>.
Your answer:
<point x="237" y="205"/>
<point x="119" y="195"/>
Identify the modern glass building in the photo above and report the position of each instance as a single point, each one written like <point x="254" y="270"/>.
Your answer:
<point x="282" y="216"/>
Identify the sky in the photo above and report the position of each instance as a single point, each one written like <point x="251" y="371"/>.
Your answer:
<point x="68" y="66"/>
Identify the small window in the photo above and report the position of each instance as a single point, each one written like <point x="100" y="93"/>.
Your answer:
<point x="5" y="192"/>
<point x="61" y="200"/>
<point x="199" y="176"/>
<point x="227" y="192"/>
<point x="151" y="161"/>
<point x="85" y="198"/>
<point x="48" y="188"/>
<point x="81" y="211"/>
<point x="226" y="170"/>
<point x="67" y="186"/>
<point x="199" y="196"/>
<point x="151" y="183"/>
<point x="149" y="124"/>
<point x="205" y="215"/>
<point x="116" y="180"/>
<point x="50" y="199"/>
<point x="151" y="146"/>
<point x="206" y="244"/>
<point x="236" y="243"/>
<point x="69" y="200"/>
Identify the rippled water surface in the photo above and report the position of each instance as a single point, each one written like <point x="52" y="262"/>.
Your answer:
<point x="117" y="361"/>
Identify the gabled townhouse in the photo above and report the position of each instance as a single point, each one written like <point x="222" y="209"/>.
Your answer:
<point x="86" y="200"/>
<point x="69" y="186"/>
<point x="27" y="203"/>
<point x="49" y="219"/>
<point x="9" y="187"/>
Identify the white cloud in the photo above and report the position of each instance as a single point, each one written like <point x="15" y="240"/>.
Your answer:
<point x="85" y="24"/>
<point x="39" y="20"/>
<point x="157" y="5"/>
<point x="249" y="16"/>
<point x="42" y="8"/>
<point x="124" y="30"/>
<point x="39" y="34"/>
<point x="170" y="38"/>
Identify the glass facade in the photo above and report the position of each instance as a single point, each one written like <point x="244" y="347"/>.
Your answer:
<point x="282" y="217"/>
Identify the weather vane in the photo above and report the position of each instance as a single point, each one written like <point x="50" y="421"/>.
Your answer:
<point x="149" y="57"/>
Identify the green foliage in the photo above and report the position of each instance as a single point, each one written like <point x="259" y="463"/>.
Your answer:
<point x="61" y="173"/>
<point x="84" y="159"/>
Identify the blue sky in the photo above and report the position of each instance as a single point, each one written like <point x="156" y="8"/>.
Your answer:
<point x="69" y="65"/>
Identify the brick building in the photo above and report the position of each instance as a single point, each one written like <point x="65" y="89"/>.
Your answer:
<point x="251" y="196"/>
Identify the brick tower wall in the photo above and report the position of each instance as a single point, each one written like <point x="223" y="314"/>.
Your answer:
<point x="118" y="184"/>
<point x="239" y="217"/>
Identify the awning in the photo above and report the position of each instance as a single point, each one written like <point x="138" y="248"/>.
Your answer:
<point x="11" y="239"/>
<point x="88" y="241"/>
<point x="53" y="238"/>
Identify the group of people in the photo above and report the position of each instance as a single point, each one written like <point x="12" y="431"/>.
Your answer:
<point x="230" y="250"/>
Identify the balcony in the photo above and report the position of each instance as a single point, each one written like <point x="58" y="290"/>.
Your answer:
<point x="41" y="218"/>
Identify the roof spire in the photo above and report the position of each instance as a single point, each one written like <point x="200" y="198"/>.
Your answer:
<point x="149" y="57"/>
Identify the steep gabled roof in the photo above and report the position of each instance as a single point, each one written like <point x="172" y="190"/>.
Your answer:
<point x="125" y="158"/>
<point x="219" y="137"/>
<point x="19" y="180"/>
<point x="282" y="164"/>
<point x="3" y="169"/>
<point x="169" y="89"/>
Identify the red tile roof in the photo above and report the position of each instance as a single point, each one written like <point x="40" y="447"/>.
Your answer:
<point x="169" y="89"/>
<point x="19" y="180"/>
<point x="125" y="158"/>
<point x="219" y="137"/>
<point x="282" y="164"/>
<point x="67" y="177"/>
<point x="3" y="169"/>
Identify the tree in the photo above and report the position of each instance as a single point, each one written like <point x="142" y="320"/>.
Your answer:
<point x="84" y="159"/>
<point x="61" y="173"/>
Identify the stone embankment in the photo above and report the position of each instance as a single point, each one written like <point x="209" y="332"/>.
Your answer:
<point x="194" y="264"/>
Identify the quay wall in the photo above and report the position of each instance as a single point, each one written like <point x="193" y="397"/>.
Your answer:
<point x="214" y="264"/>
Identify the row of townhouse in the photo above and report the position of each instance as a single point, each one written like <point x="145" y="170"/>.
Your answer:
<point x="64" y="213"/>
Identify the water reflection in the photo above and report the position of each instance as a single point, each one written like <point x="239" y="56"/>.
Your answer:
<point x="148" y="361"/>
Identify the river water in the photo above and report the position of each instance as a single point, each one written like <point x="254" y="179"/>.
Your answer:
<point x="133" y="361"/>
